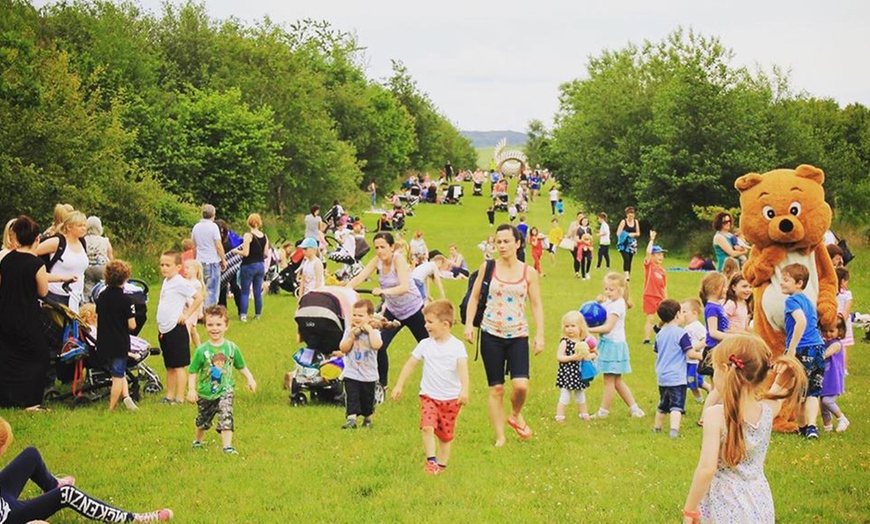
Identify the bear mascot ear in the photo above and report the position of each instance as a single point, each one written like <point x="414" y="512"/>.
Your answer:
<point x="810" y="173"/>
<point x="748" y="181"/>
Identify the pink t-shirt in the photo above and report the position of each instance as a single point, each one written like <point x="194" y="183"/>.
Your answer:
<point x="738" y="316"/>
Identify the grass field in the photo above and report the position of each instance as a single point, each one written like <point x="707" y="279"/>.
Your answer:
<point x="295" y="464"/>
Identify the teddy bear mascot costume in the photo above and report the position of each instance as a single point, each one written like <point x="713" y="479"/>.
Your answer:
<point x="784" y="215"/>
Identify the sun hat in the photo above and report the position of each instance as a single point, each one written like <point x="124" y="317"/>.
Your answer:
<point x="309" y="242"/>
<point x="658" y="249"/>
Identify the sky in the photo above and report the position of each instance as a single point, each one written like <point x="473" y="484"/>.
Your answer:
<point x="497" y="65"/>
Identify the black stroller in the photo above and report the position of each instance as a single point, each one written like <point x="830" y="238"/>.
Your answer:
<point x="287" y="277"/>
<point x="353" y="264"/>
<point x="478" y="188"/>
<point x="500" y="202"/>
<point x="453" y="194"/>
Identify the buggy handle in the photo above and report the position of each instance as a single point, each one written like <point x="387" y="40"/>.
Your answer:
<point x="140" y="283"/>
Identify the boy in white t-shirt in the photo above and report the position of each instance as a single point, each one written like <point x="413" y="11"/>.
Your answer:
<point x="444" y="386"/>
<point x="692" y="310"/>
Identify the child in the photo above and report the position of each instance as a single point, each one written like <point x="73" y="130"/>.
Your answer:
<point x="560" y="207"/>
<point x="115" y="321"/>
<point x="712" y="294"/>
<point x="419" y="251"/>
<point x="655" y="285"/>
<point x="833" y="384"/>
<point x="536" y="243"/>
<point x="844" y="307"/>
<point x="523" y="227"/>
<point x="692" y="310"/>
<point x="512" y="212"/>
<point x="738" y="303"/>
<point x="178" y="301"/>
<point x="193" y="271"/>
<point x="430" y="270"/>
<point x="555" y="236"/>
<point x="673" y="345"/>
<point x="444" y="386"/>
<point x="572" y="349"/>
<point x="729" y="483"/>
<point x="88" y="314"/>
<point x="311" y="270"/>
<point x="613" y="357"/>
<point x="211" y="382"/>
<point x="490" y="215"/>
<point x="603" y="240"/>
<point x="803" y="340"/>
<point x="730" y="268"/>
<point x="584" y="255"/>
<point x="361" y="365"/>
<point x="186" y="254"/>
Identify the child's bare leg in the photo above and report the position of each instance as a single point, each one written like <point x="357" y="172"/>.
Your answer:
<point x="609" y="390"/>
<point x="194" y="334"/>
<point x="227" y="438"/>
<point x="495" y="408"/>
<point x="428" y="434"/>
<point x="676" y="418"/>
<point x="118" y="387"/>
<point x="170" y="382"/>
<point x="624" y="392"/>
<point x="560" y="411"/>
<point x="648" y="328"/>
<point x="659" y="421"/>
<point x="180" y="381"/>
<point x="811" y="410"/>
<point x="443" y="454"/>
<point x="200" y="434"/>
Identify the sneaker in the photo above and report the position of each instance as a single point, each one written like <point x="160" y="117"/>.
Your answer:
<point x="129" y="404"/>
<point x="636" y="412"/>
<point x="842" y="424"/>
<point x="197" y="444"/>
<point x="601" y="413"/>
<point x="646" y="342"/>
<point x="829" y="428"/>
<point x="229" y="450"/>
<point x="256" y="317"/>
<point x="812" y="433"/>
<point x="584" y="417"/>
<point x="243" y="318"/>
<point x="161" y="515"/>
<point x="559" y="418"/>
<point x="657" y="430"/>
<point x="432" y="468"/>
<point x="349" y="424"/>
<point x="367" y="423"/>
<point x="166" y="400"/>
<point x="674" y="433"/>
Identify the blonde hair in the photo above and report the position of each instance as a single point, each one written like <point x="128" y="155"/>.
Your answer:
<point x="61" y="212"/>
<point x="695" y="305"/>
<point x="729" y="268"/>
<point x="442" y="310"/>
<point x="197" y="269"/>
<point x="746" y="360"/>
<point x="255" y="221"/>
<point x="618" y="279"/>
<point x="577" y="318"/>
<point x="5" y="433"/>
<point x="88" y="313"/>
<point x="72" y="219"/>
<point x="711" y="286"/>
<point x="9" y="240"/>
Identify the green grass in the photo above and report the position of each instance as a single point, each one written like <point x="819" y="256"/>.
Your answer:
<point x="484" y="157"/>
<point x="296" y="464"/>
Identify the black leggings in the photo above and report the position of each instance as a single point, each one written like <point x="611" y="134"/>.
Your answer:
<point x="626" y="261"/>
<point x="586" y="263"/>
<point x="416" y="323"/>
<point x="576" y="260"/>
<point x="28" y="465"/>
<point x="603" y="253"/>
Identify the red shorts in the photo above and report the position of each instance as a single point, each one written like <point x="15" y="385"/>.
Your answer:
<point x="439" y="414"/>
<point x="651" y="304"/>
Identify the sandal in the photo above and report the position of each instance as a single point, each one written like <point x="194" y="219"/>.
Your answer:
<point x="524" y="432"/>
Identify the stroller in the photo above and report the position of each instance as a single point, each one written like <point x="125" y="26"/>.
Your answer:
<point x="353" y="264"/>
<point x="453" y="195"/>
<point x="286" y="278"/>
<point x="500" y="202"/>
<point x="323" y="319"/>
<point x="478" y="188"/>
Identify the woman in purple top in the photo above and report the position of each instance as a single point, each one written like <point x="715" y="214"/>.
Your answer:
<point x="402" y="297"/>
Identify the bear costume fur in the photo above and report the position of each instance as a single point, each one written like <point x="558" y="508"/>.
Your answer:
<point x="784" y="216"/>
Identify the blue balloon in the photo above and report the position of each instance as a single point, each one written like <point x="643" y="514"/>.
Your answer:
<point x="594" y="313"/>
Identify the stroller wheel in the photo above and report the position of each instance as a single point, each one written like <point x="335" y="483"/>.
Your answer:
<point x="299" y="399"/>
<point x="380" y="393"/>
<point x="152" y="387"/>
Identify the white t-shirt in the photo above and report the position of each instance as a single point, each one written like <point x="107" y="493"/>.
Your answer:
<point x="312" y="226"/>
<point x="361" y="362"/>
<point x="554" y="195"/>
<point x="418" y="246"/>
<point x="424" y="271"/>
<point x="309" y="274"/>
<point x="174" y="294"/>
<point x="604" y="234"/>
<point x="205" y="234"/>
<point x="72" y="263"/>
<point x="616" y="307"/>
<point x="697" y="333"/>
<point x="440" y="374"/>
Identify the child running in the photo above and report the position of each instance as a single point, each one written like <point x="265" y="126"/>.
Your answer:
<point x="655" y="284"/>
<point x="713" y="289"/>
<point x="555" y="236"/>
<point x="211" y="385"/>
<point x="115" y="320"/>
<point x="444" y="386"/>
<point x="834" y="382"/>
<point x="194" y="274"/>
<point x="361" y="365"/>
<point x="692" y="311"/>
<point x="673" y="345"/>
<point x="573" y="349"/>
<point x="729" y="483"/>
<point x="613" y="357"/>
<point x="536" y="243"/>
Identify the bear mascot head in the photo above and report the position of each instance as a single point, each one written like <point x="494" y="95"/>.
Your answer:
<point x="783" y="214"/>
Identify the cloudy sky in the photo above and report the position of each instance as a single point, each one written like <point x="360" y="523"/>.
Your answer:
<point x="497" y="65"/>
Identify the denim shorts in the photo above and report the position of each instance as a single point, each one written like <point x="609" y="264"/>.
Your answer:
<point x="118" y="367"/>
<point x="672" y="398"/>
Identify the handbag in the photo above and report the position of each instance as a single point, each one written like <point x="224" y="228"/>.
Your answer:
<point x="566" y="243"/>
<point x="588" y="370"/>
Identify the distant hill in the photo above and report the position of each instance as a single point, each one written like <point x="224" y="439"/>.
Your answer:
<point x="491" y="138"/>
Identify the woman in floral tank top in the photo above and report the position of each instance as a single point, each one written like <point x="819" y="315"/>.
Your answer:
<point x="504" y="338"/>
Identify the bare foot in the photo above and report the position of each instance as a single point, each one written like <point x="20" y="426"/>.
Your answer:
<point x="66" y="481"/>
<point x="499" y="442"/>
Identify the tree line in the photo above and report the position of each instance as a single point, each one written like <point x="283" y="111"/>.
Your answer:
<point x="668" y="126"/>
<point x="140" y="117"/>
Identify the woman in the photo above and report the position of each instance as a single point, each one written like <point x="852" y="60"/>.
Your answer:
<point x="373" y="192"/>
<point x="627" y="242"/>
<point x="9" y="241"/>
<point x="402" y="297"/>
<point x="724" y="243"/>
<point x="68" y="257"/>
<point x="229" y="282"/>
<point x="99" y="251"/>
<point x="504" y="337"/>
<point x="24" y="352"/>
<point x="583" y="228"/>
<point x="458" y="266"/>
<point x="57" y="493"/>
<point x="253" y="251"/>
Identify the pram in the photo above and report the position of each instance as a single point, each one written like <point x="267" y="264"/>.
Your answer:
<point x="478" y="188"/>
<point x="323" y="319"/>
<point x="353" y="264"/>
<point x="500" y="202"/>
<point x="453" y="194"/>
<point x="286" y="278"/>
<point x="137" y="290"/>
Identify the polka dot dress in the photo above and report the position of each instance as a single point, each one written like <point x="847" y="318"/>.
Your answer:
<point x="568" y="376"/>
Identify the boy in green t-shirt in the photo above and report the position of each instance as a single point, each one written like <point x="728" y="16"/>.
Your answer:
<point x="211" y="384"/>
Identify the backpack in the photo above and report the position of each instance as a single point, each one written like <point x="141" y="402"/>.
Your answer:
<point x="51" y="259"/>
<point x="484" y="292"/>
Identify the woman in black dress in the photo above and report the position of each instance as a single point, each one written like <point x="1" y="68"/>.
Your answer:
<point x="23" y="347"/>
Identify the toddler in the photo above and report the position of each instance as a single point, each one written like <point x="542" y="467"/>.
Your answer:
<point x="194" y="274"/>
<point x="692" y="310"/>
<point x="361" y="365"/>
<point x="573" y="350"/>
<point x="673" y="345"/>
<point x="833" y="384"/>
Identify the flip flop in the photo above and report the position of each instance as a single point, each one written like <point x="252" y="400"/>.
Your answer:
<point x="524" y="432"/>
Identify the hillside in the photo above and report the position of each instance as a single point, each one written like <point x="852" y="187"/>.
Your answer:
<point x="491" y="138"/>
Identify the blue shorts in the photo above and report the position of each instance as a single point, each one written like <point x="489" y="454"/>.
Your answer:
<point x="693" y="379"/>
<point x="672" y="398"/>
<point x="118" y="367"/>
<point x="813" y="359"/>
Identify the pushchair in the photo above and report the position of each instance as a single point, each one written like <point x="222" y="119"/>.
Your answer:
<point x="137" y="290"/>
<point x="323" y="319"/>
<point x="353" y="263"/>
<point x="500" y="202"/>
<point x="478" y="188"/>
<point x="453" y="194"/>
<point x="286" y="278"/>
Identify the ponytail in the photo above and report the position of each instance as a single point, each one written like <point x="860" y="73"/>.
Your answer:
<point x="734" y="449"/>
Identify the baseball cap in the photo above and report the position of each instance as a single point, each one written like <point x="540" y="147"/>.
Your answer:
<point x="309" y="242"/>
<point x="658" y="249"/>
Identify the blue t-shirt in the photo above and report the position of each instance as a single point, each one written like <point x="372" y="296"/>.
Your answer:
<point x="711" y="310"/>
<point x="523" y="228"/>
<point x="811" y="336"/>
<point x="671" y="345"/>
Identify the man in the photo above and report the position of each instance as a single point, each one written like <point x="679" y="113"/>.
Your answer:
<point x="448" y="172"/>
<point x="209" y="251"/>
